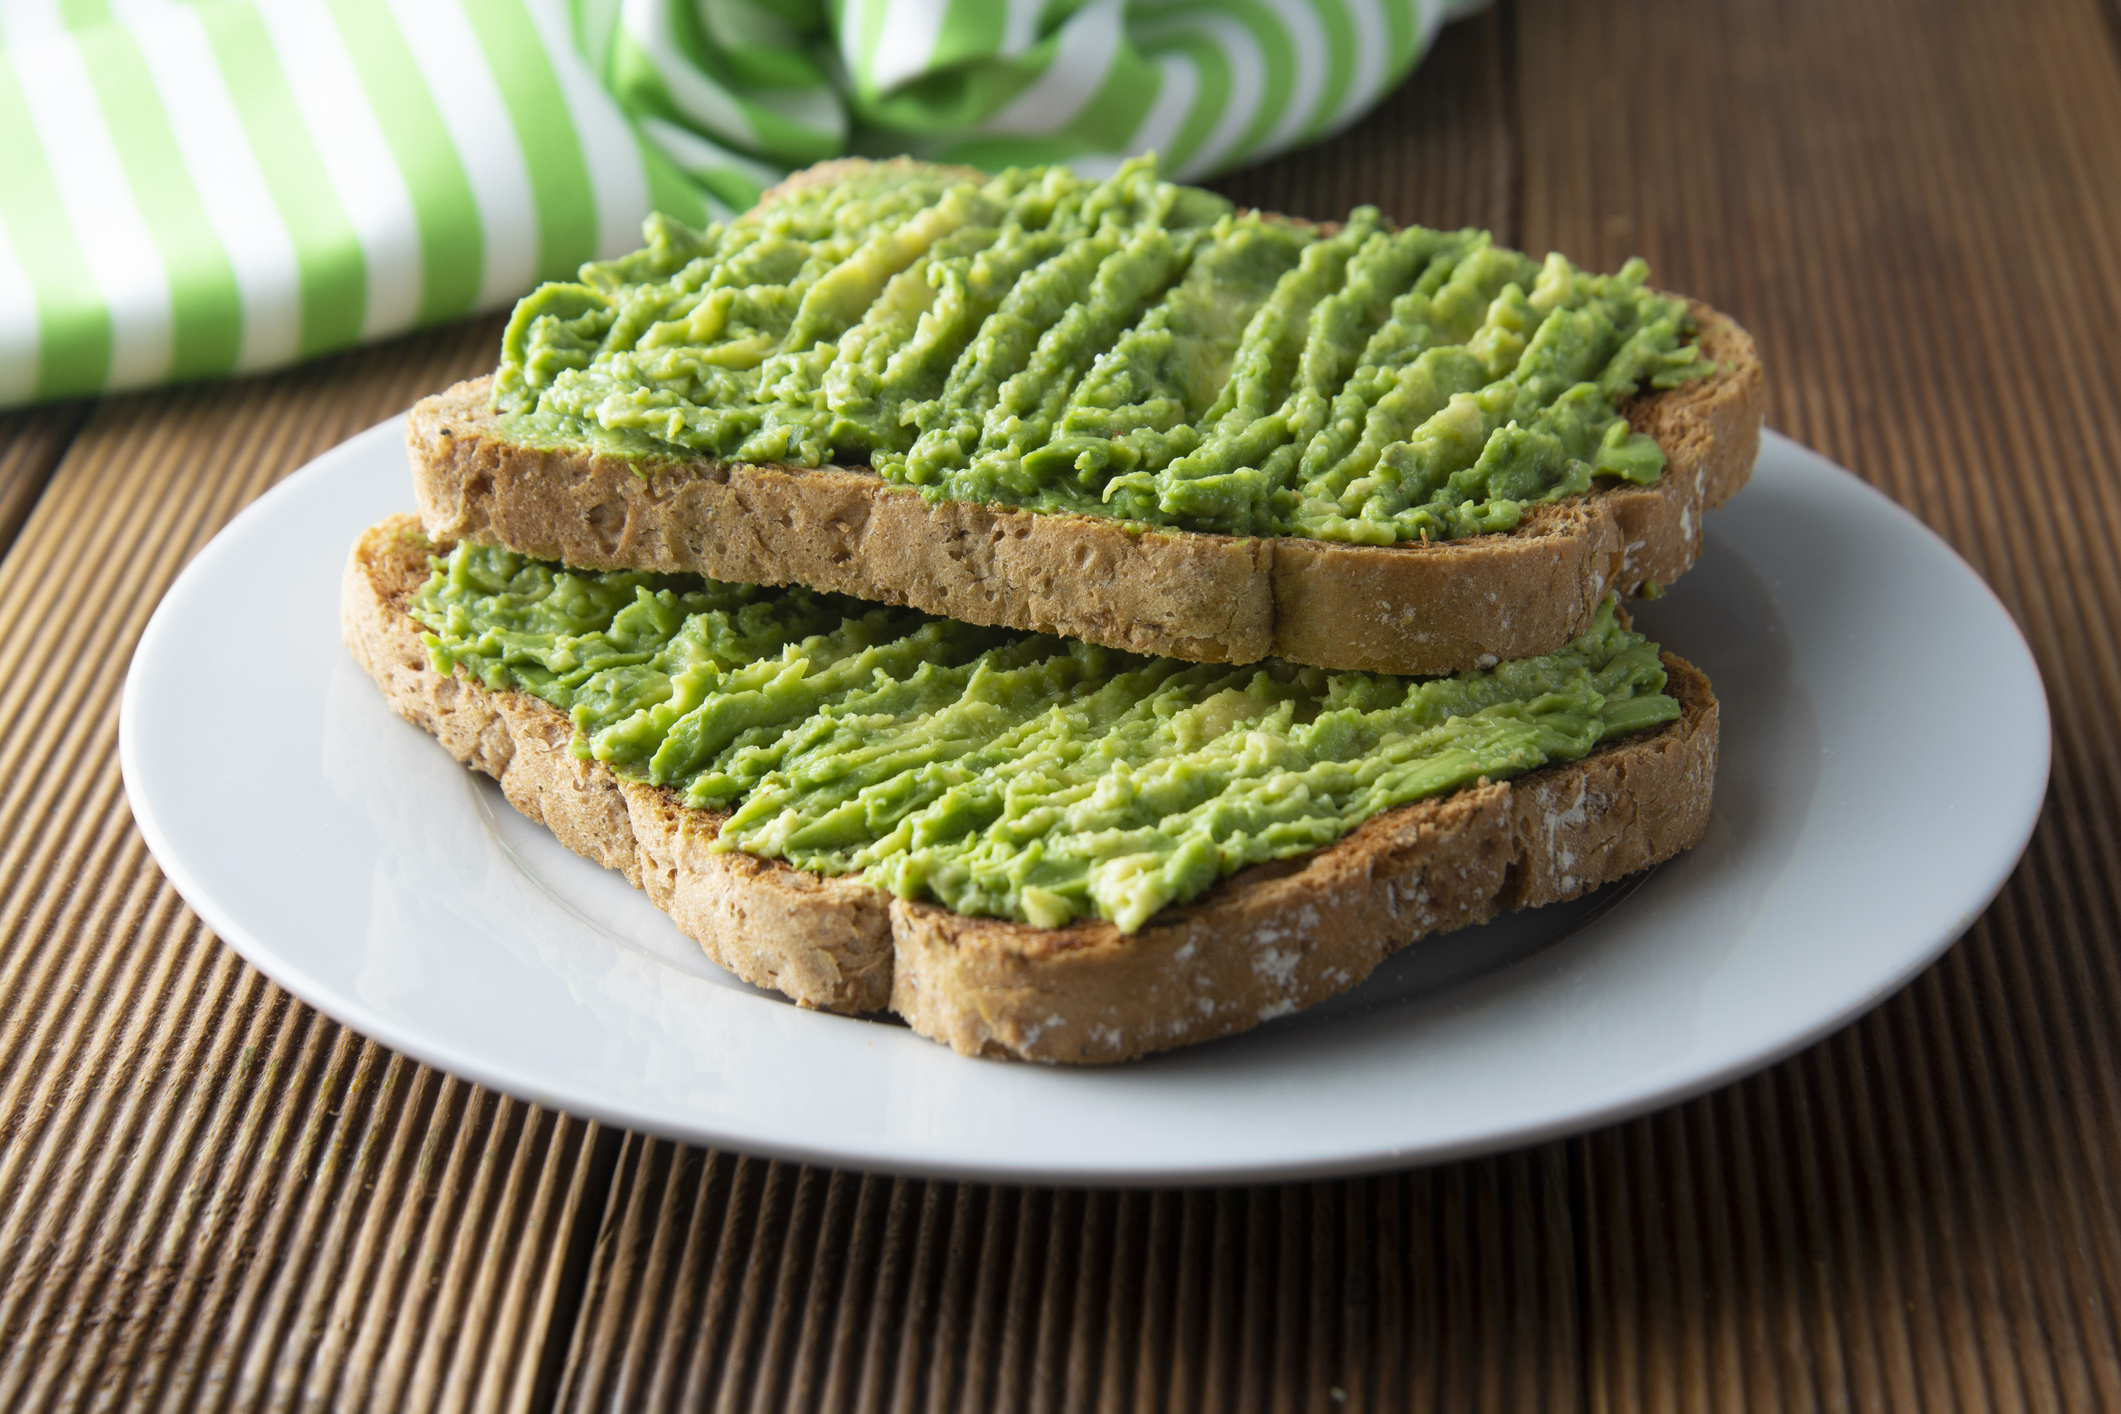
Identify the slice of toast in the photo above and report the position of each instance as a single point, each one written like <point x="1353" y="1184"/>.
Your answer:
<point x="1409" y="608"/>
<point x="1263" y="942"/>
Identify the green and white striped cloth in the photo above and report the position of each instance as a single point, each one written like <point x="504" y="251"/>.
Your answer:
<point x="190" y="188"/>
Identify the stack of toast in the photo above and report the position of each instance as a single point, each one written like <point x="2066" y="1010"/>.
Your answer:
<point x="1268" y="924"/>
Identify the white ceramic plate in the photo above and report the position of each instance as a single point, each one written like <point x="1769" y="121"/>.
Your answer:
<point x="346" y="855"/>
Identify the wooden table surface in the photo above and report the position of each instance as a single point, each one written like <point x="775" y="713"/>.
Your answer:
<point x="212" y="1196"/>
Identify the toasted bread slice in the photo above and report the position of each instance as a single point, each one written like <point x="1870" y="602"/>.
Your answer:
<point x="1264" y="942"/>
<point x="1410" y="608"/>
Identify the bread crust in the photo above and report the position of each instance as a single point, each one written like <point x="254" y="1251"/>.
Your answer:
<point x="1266" y="941"/>
<point x="1411" y="608"/>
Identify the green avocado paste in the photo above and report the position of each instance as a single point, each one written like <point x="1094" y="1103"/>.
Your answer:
<point x="1126" y="348"/>
<point x="997" y="772"/>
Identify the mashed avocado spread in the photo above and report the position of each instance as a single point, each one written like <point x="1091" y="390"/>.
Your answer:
<point x="998" y="772"/>
<point x="1127" y="348"/>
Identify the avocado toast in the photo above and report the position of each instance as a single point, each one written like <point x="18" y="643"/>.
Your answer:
<point x="1261" y="940"/>
<point x="1346" y="446"/>
<point x="1076" y="616"/>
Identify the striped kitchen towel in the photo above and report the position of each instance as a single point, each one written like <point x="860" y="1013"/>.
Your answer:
<point x="190" y="188"/>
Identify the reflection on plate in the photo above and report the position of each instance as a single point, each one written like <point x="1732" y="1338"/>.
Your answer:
<point x="342" y="852"/>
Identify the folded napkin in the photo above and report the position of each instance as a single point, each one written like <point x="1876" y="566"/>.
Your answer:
<point x="190" y="188"/>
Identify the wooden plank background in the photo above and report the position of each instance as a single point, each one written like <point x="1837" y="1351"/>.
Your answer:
<point x="212" y="1197"/>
